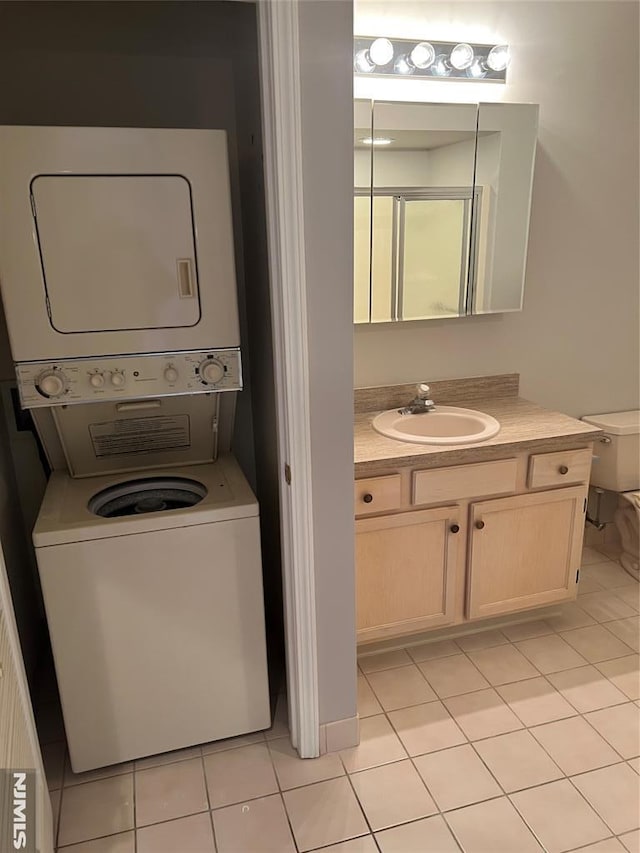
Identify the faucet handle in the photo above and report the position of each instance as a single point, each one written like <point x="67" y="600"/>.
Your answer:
<point x="423" y="391"/>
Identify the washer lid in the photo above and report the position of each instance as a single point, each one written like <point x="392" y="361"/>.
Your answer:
<point x="147" y="494"/>
<point x="616" y="423"/>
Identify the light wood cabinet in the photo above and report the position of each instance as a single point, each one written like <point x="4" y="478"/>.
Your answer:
<point x="406" y="570"/>
<point x="478" y="557"/>
<point x="524" y="551"/>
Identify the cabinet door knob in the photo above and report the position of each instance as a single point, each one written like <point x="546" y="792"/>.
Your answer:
<point x="454" y="528"/>
<point x="367" y="498"/>
<point x="563" y="469"/>
<point x="479" y="524"/>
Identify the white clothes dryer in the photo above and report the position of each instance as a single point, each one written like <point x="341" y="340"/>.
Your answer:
<point x="152" y="584"/>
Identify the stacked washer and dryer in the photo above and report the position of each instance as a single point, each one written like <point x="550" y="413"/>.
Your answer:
<point x="118" y="282"/>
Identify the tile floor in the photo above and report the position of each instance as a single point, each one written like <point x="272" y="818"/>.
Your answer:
<point x="510" y="741"/>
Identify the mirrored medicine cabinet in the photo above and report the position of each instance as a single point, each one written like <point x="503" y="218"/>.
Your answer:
<point x="442" y="194"/>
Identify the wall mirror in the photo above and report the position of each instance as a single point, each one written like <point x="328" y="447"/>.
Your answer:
<point x="441" y="208"/>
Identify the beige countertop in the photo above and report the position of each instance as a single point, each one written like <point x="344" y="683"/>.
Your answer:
<point x="523" y="426"/>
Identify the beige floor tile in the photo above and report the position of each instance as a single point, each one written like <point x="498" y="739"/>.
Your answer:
<point x="280" y="722"/>
<point x="481" y="640"/>
<point x="95" y="809"/>
<point x="620" y="726"/>
<point x="587" y="585"/>
<point x="293" y="771"/>
<point x="596" y="643"/>
<point x="591" y="556"/>
<point x="324" y="813"/>
<point x="364" y="844"/>
<point x="635" y="764"/>
<point x="191" y="834"/>
<point x="574" y="745"/>
<point x="401" y="687"/>
<point x="627" y="630"/>
<point x="482" y="714"/>
<point x="456" y="777"/>
<point x="123" y="842"/>
<point x="53" y="758"/>
<point x="368" y="705"/>
<point x="430" y="651"/>
<point x="551" y="654"/>
<point x="570" y="616"/>
<point x="55" y="797"/>
<point x="426" y="728"/>
<point x="586" y="689"/>
<point x="559" y="816"/>
<point x="163" y="758"/>
<point x="232" y="743"/>
<point x="504" y="664"/>
<point x="614" y="792"/>
<point x="608" y="574"/>
<point x="453" y="675"/>
<point x="605" y="606"/>
<point x="239" y="774"/>
<point x="384" y="660"/>
<point x="535" y="701"/>
<point x="170" y="791"/>
<point x="608" y="845"/>
<point x="630" y="595"/>
<point x="624" y="673"/>
<point x="71" y="778"/>
<point x="392" y="794"/>
<point x="517" y="761"/>
<point x="492" y="827"/>
<point x="526" y="630"/>
<point x="431" y="834"/>
<point x="258" y="825"/>
<point x="379" y="744"/>
<point x="631" y="841"/>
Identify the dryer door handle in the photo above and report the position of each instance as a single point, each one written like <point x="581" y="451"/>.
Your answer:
<point x="137" y="405"/>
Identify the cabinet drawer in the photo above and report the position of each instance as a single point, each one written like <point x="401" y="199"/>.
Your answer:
<point x="377" y="494"/>
<point x="465" y="481"/>
<point x="559" y="469"/>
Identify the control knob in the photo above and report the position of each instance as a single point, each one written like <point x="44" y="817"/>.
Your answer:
<point x="51" y="383"/>
<point x="96" y="380"/>
<point x="117" y="379"/>
<point x="211" y="371"/>
<point x="170" y="374"/>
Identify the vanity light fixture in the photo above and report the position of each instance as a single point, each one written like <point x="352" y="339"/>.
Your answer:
<point x="442" y="60"/>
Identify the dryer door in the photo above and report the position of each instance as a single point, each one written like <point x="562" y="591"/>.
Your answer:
<point x="117" y="251"/>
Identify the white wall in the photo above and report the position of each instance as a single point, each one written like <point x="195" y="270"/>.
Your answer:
<point x="327" y="140"/>
<point x="576" y="342"/>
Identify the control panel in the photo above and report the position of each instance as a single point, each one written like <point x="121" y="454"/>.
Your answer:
<point x="128" y="377"/>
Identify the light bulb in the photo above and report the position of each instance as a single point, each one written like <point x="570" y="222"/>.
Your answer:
<point x="422" y="55"/>
<point x="362" y="62"/>
<point x="441" y="67"/>
<point x="404" y="65"/>
<point x="377" y="140"/>
<point x="381" y="52"/>
<point x="478" y="69"/>
<point x="499" y="57"/>
<point x="461" y="56"/>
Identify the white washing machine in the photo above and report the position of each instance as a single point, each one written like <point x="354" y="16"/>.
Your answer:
<point x="153" y="591"/>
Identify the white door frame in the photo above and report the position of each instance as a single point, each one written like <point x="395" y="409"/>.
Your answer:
<point x="282" y="137"/>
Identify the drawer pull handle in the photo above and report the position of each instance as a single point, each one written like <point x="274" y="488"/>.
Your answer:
<point x="454" y="528"/>
<point x="367" y="498"/>
<point x="563" y="469"/>
<point x="479" y="524"/>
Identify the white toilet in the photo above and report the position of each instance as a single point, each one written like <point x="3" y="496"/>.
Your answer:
<point x="617" y="468"/>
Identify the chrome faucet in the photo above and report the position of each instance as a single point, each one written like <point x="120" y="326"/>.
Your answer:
<point x="421" y="404"/>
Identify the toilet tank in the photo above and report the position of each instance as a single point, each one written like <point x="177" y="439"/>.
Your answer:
<point x="616" y="465"/>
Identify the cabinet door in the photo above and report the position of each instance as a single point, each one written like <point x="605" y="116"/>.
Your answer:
<point x="524" y="551"/>
<point x="406" y="571"/>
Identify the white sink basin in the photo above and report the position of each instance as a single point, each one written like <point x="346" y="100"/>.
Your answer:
<point x="442" y="425"/>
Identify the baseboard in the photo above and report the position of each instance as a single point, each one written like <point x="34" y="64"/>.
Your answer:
<point x="341" y="734"/>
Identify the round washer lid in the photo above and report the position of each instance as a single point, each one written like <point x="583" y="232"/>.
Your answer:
<point x="147" y="494"/>
<point x="616" y="423"/>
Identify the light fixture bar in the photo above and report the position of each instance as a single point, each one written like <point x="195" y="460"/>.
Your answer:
<point x="436" y="60"/>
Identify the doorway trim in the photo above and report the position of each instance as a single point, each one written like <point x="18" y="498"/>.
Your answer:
<point x="282" y="141"/>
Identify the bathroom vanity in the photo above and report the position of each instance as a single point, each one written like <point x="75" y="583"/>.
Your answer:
<point x="449" y="535"/>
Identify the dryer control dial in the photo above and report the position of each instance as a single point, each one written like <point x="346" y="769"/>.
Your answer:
<point x="96" y="380"/>
<point x="117" y="379"/>
<point x="51" y="383"/>
<point x="211" y="371"/>
<point x="170" y="374"/>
